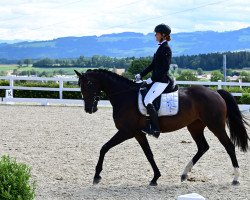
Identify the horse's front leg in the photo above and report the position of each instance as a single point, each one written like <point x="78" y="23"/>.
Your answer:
<point x="143" y="141"/>
<point x="118" y="138"/>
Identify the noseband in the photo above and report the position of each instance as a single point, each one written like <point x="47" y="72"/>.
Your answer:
<point x="96" y="97"/>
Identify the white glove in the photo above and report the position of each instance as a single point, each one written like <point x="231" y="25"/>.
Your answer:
<point x="149" y="81"/>
<point x="137" y="77"/>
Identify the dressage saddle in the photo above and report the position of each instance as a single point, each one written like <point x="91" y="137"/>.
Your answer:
<point x="157" y="102"/>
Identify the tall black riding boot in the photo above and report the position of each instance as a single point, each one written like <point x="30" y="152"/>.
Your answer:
<point x="153" y="115"/>
<point x="147" y="128"/>
<point x="154" y="128"/>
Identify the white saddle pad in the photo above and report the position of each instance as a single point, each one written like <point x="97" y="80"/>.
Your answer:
<point x="169" y="104"/>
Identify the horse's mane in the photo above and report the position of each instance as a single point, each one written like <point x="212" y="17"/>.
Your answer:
<point x="112" y="75"/>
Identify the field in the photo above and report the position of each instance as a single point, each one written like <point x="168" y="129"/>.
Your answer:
<point x="7" y="67"/>
<point x="62" y="145"/>
<point x="67" y="70"/>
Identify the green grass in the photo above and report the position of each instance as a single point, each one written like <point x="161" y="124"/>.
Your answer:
<point x="7" y="67"/>
<point x="68" y="70"/>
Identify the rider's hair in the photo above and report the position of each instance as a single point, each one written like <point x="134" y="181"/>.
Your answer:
<point x="166" y="37"/>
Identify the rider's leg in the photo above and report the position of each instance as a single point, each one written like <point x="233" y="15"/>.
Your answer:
<point x="155" y="91"/>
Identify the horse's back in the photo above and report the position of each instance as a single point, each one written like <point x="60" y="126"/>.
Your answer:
<point x="206" y="102"/>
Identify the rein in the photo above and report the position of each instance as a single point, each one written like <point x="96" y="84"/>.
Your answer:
<point x="124" y="91"/>
<point x="97" y="97"/>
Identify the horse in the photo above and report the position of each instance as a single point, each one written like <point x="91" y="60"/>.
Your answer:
<point x="199" y="107"/>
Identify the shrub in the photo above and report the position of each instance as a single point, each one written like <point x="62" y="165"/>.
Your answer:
<point x="200" y="71"/>
<point x="217" y="75"/>
<point x="245" y="76"/>
<point x="245" y="98"/>
<point x="15" y="180"/>
<point x="187" y="75"/>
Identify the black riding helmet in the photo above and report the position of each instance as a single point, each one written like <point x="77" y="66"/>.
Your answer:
<point x="163" y="29"/>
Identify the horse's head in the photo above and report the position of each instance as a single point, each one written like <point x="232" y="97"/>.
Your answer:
<point x="90" y="89"/>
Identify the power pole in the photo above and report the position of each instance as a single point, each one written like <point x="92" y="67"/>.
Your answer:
<point x="225" y="67"/>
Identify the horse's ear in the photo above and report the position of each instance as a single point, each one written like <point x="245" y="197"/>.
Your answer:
<point x="78" y="73"/>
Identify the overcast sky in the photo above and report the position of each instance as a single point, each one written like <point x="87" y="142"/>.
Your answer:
<point x="48" y="19"/>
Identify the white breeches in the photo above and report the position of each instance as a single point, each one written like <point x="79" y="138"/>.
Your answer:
<point x="156" y="90"/>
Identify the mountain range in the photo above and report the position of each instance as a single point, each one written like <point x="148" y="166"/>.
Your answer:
<point x="127" y="44"/>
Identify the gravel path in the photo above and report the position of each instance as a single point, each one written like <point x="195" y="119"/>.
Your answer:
<point x="62" y="145"/>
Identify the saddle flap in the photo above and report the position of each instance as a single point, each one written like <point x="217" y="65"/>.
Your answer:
<point x="156" y="102"/>
<point x="167" y="103"/>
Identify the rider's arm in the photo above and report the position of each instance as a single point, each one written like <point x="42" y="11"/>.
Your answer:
<point x="148" y="69"/>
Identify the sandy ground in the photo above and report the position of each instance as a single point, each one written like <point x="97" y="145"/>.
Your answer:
<point x="62" y="145"/>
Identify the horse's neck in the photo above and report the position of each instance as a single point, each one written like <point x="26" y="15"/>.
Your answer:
<point x="114" y="88"/>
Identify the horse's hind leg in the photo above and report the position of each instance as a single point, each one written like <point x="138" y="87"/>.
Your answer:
<point x="221" y="134"/>
<point x="197" y="131"/>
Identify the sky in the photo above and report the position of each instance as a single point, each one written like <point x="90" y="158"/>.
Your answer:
<point x="49" y="19"/>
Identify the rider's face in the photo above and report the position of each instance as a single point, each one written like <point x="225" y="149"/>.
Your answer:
<point x="158" y="37"/>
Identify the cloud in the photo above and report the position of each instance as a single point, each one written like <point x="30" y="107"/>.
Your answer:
<point x="42" y="20"/>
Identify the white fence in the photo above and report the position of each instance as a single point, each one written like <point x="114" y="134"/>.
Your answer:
<point x="61" y="89"/>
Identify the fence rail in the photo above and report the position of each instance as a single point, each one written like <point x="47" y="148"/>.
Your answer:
<point x="61" y="87"/>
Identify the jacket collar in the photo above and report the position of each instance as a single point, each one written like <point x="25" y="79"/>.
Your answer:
<point x="162" y="42"/>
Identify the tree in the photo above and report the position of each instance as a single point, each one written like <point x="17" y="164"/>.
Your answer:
<point x="128" y="75"/>
<point x="20" y="63"/>
<point x="179" y="71"/>
<point x="187" y="75"/>
<point x="138" y="66"/>
<point x="81" y="62"/>
<point x="200" y="71"/>
<point x="216" y="75"/>
<point x="213" y="61"/>
<point x="15" y="72"/>
<point x="245" y="76"/>
<point x="27" y="61"/>
<point x="230" y="72"/>
<point x="46" y="62"/>
<point x="3" y="73"/>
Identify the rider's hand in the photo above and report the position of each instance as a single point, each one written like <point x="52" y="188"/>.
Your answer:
<point x="149" y="81"/>
<point x="137" y="77"/>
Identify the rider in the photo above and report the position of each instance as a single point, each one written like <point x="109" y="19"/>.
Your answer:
<point x="160" y="78"/>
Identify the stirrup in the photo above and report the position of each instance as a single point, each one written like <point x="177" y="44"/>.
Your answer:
<point x="156" y="133"/>
<point x="147" y="128"/>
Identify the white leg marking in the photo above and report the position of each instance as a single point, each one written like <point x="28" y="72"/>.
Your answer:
<point x="188" y="168"/>
<point x="236" y="173"/>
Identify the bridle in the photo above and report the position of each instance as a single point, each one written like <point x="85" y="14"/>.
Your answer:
<point x="125" y="91"/>
<point x="96" y="97"/>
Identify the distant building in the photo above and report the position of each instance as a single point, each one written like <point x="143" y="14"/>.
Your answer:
<point x="233" y="78"/>
<point x="118" y="71"/>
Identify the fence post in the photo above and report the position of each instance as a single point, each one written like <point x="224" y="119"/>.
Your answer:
<point x="61" y="88"/>
<point x="11" y="85"/>
<point x="219" y="85"/>
<point x="240" y="82"/>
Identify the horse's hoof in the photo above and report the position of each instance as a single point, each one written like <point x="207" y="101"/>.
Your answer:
<point x="184" y="177"/>
<point x="97" y="180"/>
<point x="153" y="183"/>
<point x="235" y="183"/>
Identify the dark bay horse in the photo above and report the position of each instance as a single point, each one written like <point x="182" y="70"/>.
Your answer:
<point x="199" y="107"/>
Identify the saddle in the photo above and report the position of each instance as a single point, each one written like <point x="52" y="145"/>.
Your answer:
<point x="157" y="102"/>
<point x="165" y="104"/>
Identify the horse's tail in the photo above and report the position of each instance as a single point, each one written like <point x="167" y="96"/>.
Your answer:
<point x="235" y="121"/>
